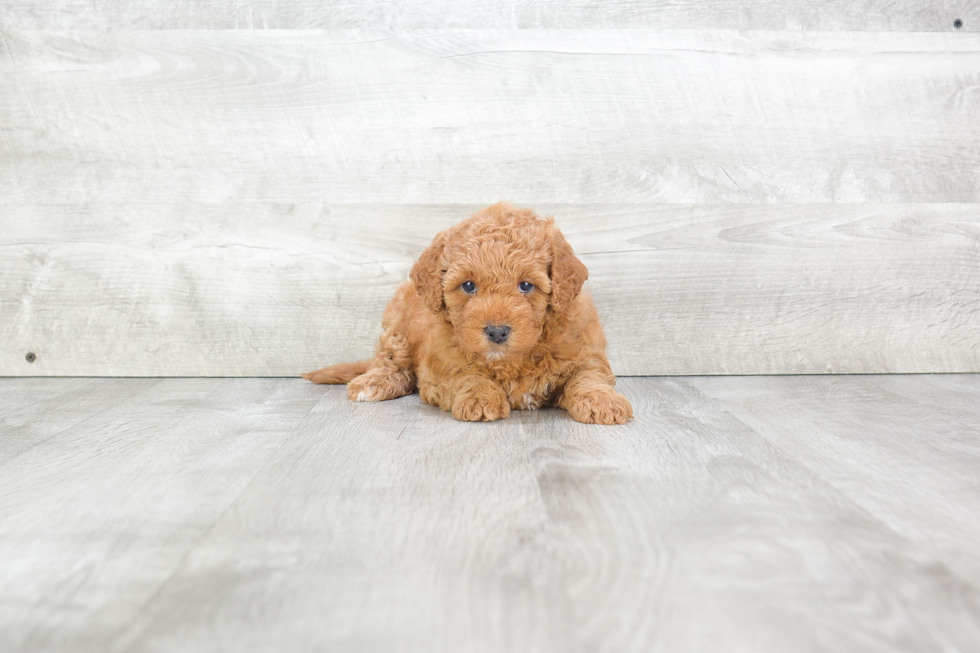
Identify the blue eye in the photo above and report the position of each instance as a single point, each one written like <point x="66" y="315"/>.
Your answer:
<point x="468" y="287"/>
<point x="526" y="286"/>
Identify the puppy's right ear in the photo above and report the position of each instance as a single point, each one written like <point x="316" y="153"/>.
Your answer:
<point x="427" y="273"/>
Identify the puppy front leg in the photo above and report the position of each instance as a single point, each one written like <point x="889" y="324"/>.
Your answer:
<point x="478" y="399"/>
<point x="470" y="397"/>
<point x="390" y="374"/>
<point x="590" y="398"/>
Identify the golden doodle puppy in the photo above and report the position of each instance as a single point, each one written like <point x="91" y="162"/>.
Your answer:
<point x="492" y="319"/>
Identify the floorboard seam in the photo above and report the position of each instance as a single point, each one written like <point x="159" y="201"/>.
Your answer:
<point x="81" y="421"/>
<point x="843" y="495"/>
<point x="121" y="634"/>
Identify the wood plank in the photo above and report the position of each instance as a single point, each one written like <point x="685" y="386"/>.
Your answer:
<point x="275" y="290"/>
<point x="20" y="394"/>
<point x="34" y="410"/>
<point x="375" y="527"/>
<point x="392" y="527"/>
<point x="465" y="116"/>
<point x="96" y="519"/>
<point x="877" y="15"/>
<point x="689" y="530"/>
<point x="949" y="395"/>
<point x="905" y="449"/>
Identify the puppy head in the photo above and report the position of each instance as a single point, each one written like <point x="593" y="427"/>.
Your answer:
<point x="497" y="277"/>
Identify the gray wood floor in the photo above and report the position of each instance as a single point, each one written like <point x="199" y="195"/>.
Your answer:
<point x="733" y="514"/>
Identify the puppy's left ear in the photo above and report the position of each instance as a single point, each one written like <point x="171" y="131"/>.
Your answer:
<point x="567" y="272"/>
<point x="427" y="273"/>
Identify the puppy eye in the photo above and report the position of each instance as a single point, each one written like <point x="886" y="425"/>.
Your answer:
<point x="468" y="287"/>
<point x="526" y="286"/>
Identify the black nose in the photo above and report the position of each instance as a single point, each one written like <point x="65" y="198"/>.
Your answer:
<point x="497" y="334"/>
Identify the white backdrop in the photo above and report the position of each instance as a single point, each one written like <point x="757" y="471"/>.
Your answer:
<point x="755" y="187"/>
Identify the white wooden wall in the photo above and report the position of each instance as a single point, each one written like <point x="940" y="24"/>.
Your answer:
<point x="230" y="188"/>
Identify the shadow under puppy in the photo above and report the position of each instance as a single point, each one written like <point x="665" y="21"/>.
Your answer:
<point x="493" y="318"/>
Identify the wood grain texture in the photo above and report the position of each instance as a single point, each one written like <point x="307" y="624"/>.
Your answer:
<point x="836" y="425"/>
<point x="448" y="539"/>
<point x="867" y="15"/>
<point x="206" y="202"/>
<point x="34" y="410"/>
<point x="741" y="543"/>
<point x="97" y="517"/>
<point x="819" y="514"/>
<point x="468" y="116"/>
<point x="274" y="290"/>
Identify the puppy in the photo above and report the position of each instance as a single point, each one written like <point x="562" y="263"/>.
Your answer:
<point x="492" y="319"/>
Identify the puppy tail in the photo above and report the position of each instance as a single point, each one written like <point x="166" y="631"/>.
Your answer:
<point x="340" y="373"/>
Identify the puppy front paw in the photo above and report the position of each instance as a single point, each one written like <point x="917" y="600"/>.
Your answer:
<point x="601" y="405"/>
<point x="379" y="384"/>
<point x="483" y="403"/>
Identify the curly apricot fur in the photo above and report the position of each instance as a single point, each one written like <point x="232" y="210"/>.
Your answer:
<point x="434" y="336"/>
